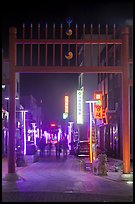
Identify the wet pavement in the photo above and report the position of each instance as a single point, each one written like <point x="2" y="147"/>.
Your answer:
<point x="64" y="180"/>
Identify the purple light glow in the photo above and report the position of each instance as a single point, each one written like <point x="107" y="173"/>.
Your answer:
<point x="24" y="128"/>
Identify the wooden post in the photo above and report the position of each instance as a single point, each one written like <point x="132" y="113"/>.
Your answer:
<point x="125" y="102"/>
<point x="12" y="102"/>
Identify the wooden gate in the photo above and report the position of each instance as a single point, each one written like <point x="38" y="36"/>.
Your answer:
<point x="64" y="47"/>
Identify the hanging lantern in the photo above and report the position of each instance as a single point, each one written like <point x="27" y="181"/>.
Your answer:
<point x="69" y="32"/>
<point x="69" y="55"/>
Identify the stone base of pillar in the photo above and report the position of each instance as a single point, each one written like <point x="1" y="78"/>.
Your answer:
<point x="12" y="177"/>
<point x="127" y="177"/>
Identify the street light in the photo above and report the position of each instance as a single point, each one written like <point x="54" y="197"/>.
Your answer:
<point x="70" y="139"/>
<point x="7" y="98"/>
<point x="34" y="132"/>
<point x="24" y="128"/>
<point x="90" y="122"/>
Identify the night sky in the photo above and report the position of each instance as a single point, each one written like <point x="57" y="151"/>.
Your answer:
<point x="95" y="12"/>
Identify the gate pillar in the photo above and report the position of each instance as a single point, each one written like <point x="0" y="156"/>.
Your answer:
<point x="125" y="101"/>
<point x="12" y="102"/>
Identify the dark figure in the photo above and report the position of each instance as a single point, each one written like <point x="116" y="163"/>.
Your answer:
<point x="64" y="143"/>
<point x="58" y="150"/>
<point x="42" y="144"/>
<point x="49" y="148"/>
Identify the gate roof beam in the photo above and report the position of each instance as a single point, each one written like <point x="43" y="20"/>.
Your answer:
<point x="69" y="41"/>
<point x="71" y="69"/>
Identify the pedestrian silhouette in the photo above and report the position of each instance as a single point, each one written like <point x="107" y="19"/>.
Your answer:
<point x="64" y="143"/>
<point x="42" y="143"/>
<point x="58" y="150"/>
<point x="49" y="148"/>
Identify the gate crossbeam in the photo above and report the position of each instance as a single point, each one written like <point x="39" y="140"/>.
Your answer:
<point x="69" y="41"/>
<point x="67" y="69"/>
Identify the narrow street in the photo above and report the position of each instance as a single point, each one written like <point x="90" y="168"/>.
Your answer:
<point x="65" y="180"/>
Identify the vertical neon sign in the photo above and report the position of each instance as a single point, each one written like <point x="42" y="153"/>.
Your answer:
<point x="24" y="126"/>
<point x="91" y="107"/>
<point x="79" y="106"/>
<point x="24" y="129"/>
<point x="66" y="104"/>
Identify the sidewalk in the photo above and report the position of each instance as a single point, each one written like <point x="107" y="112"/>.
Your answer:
<point x="114" y="169"/>
<point x="63" y="180"/>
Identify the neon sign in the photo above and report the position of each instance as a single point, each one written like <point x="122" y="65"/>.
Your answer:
<point x="79" y="106"/>
<point x="66" y="104"/>
<point x="97" y="111"/>
<point x="98" y="105"/>
<point x="98" y="95"/>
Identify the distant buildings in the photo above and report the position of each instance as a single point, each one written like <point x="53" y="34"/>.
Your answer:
<point x="5" y="102"/>
<point x="22" y="103"/>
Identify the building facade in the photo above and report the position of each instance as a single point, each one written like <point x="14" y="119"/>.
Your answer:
<point x="110" y="132"/>
<point x="5" y="102"/>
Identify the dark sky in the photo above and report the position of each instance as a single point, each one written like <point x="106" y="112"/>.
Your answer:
<point x="52" y="11"/>
<point x="51" y="88"/>
<point x="95" y="12"/>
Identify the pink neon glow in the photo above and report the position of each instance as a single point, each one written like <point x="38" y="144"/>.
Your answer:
<point x="69" y="133"/>
<point x="37" y="132"/>
<point x="53" y="125"/>
<point x="59" y="133"/>
<point x="24" y="132"/>
<point x="34" y="131"/>
<point x="24" y="129"/>
<point x="41" y="132"/>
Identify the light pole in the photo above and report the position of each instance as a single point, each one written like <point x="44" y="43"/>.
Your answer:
<point x="70" y="136"/>
<point x="7" y="99"/>
<point x="90" y="123"/>
<point x="24" y="128"/>
<point x="34" y="132"/>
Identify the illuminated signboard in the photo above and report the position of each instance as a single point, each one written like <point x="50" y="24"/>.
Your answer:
<point x="65" y="115"/>
<point x="98" y="105"/>
<point x="66" y="104"/>
<point x="98" y="95"/>
<point x="79" y="106"/>
<point x="97" y="111"/>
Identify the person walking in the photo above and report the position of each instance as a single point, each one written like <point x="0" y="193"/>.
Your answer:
<point x="49" y="148"/>
<point x="42" y="144"/>
<point x="58" y="150"/>
<point x="64" y="147"/>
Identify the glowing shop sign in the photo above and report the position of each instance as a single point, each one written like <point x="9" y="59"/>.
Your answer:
<point x="66" y="104"/>
<point x="98" y="95"/>
<point x="97" y="111"/>
<point x="65" y="115"/>
<point x="79" y="107"/>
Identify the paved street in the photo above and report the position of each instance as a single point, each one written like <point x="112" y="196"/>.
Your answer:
<point x="51" y="180"/>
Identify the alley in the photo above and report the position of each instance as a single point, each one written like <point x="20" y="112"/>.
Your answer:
<point x="64" y="176"/>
